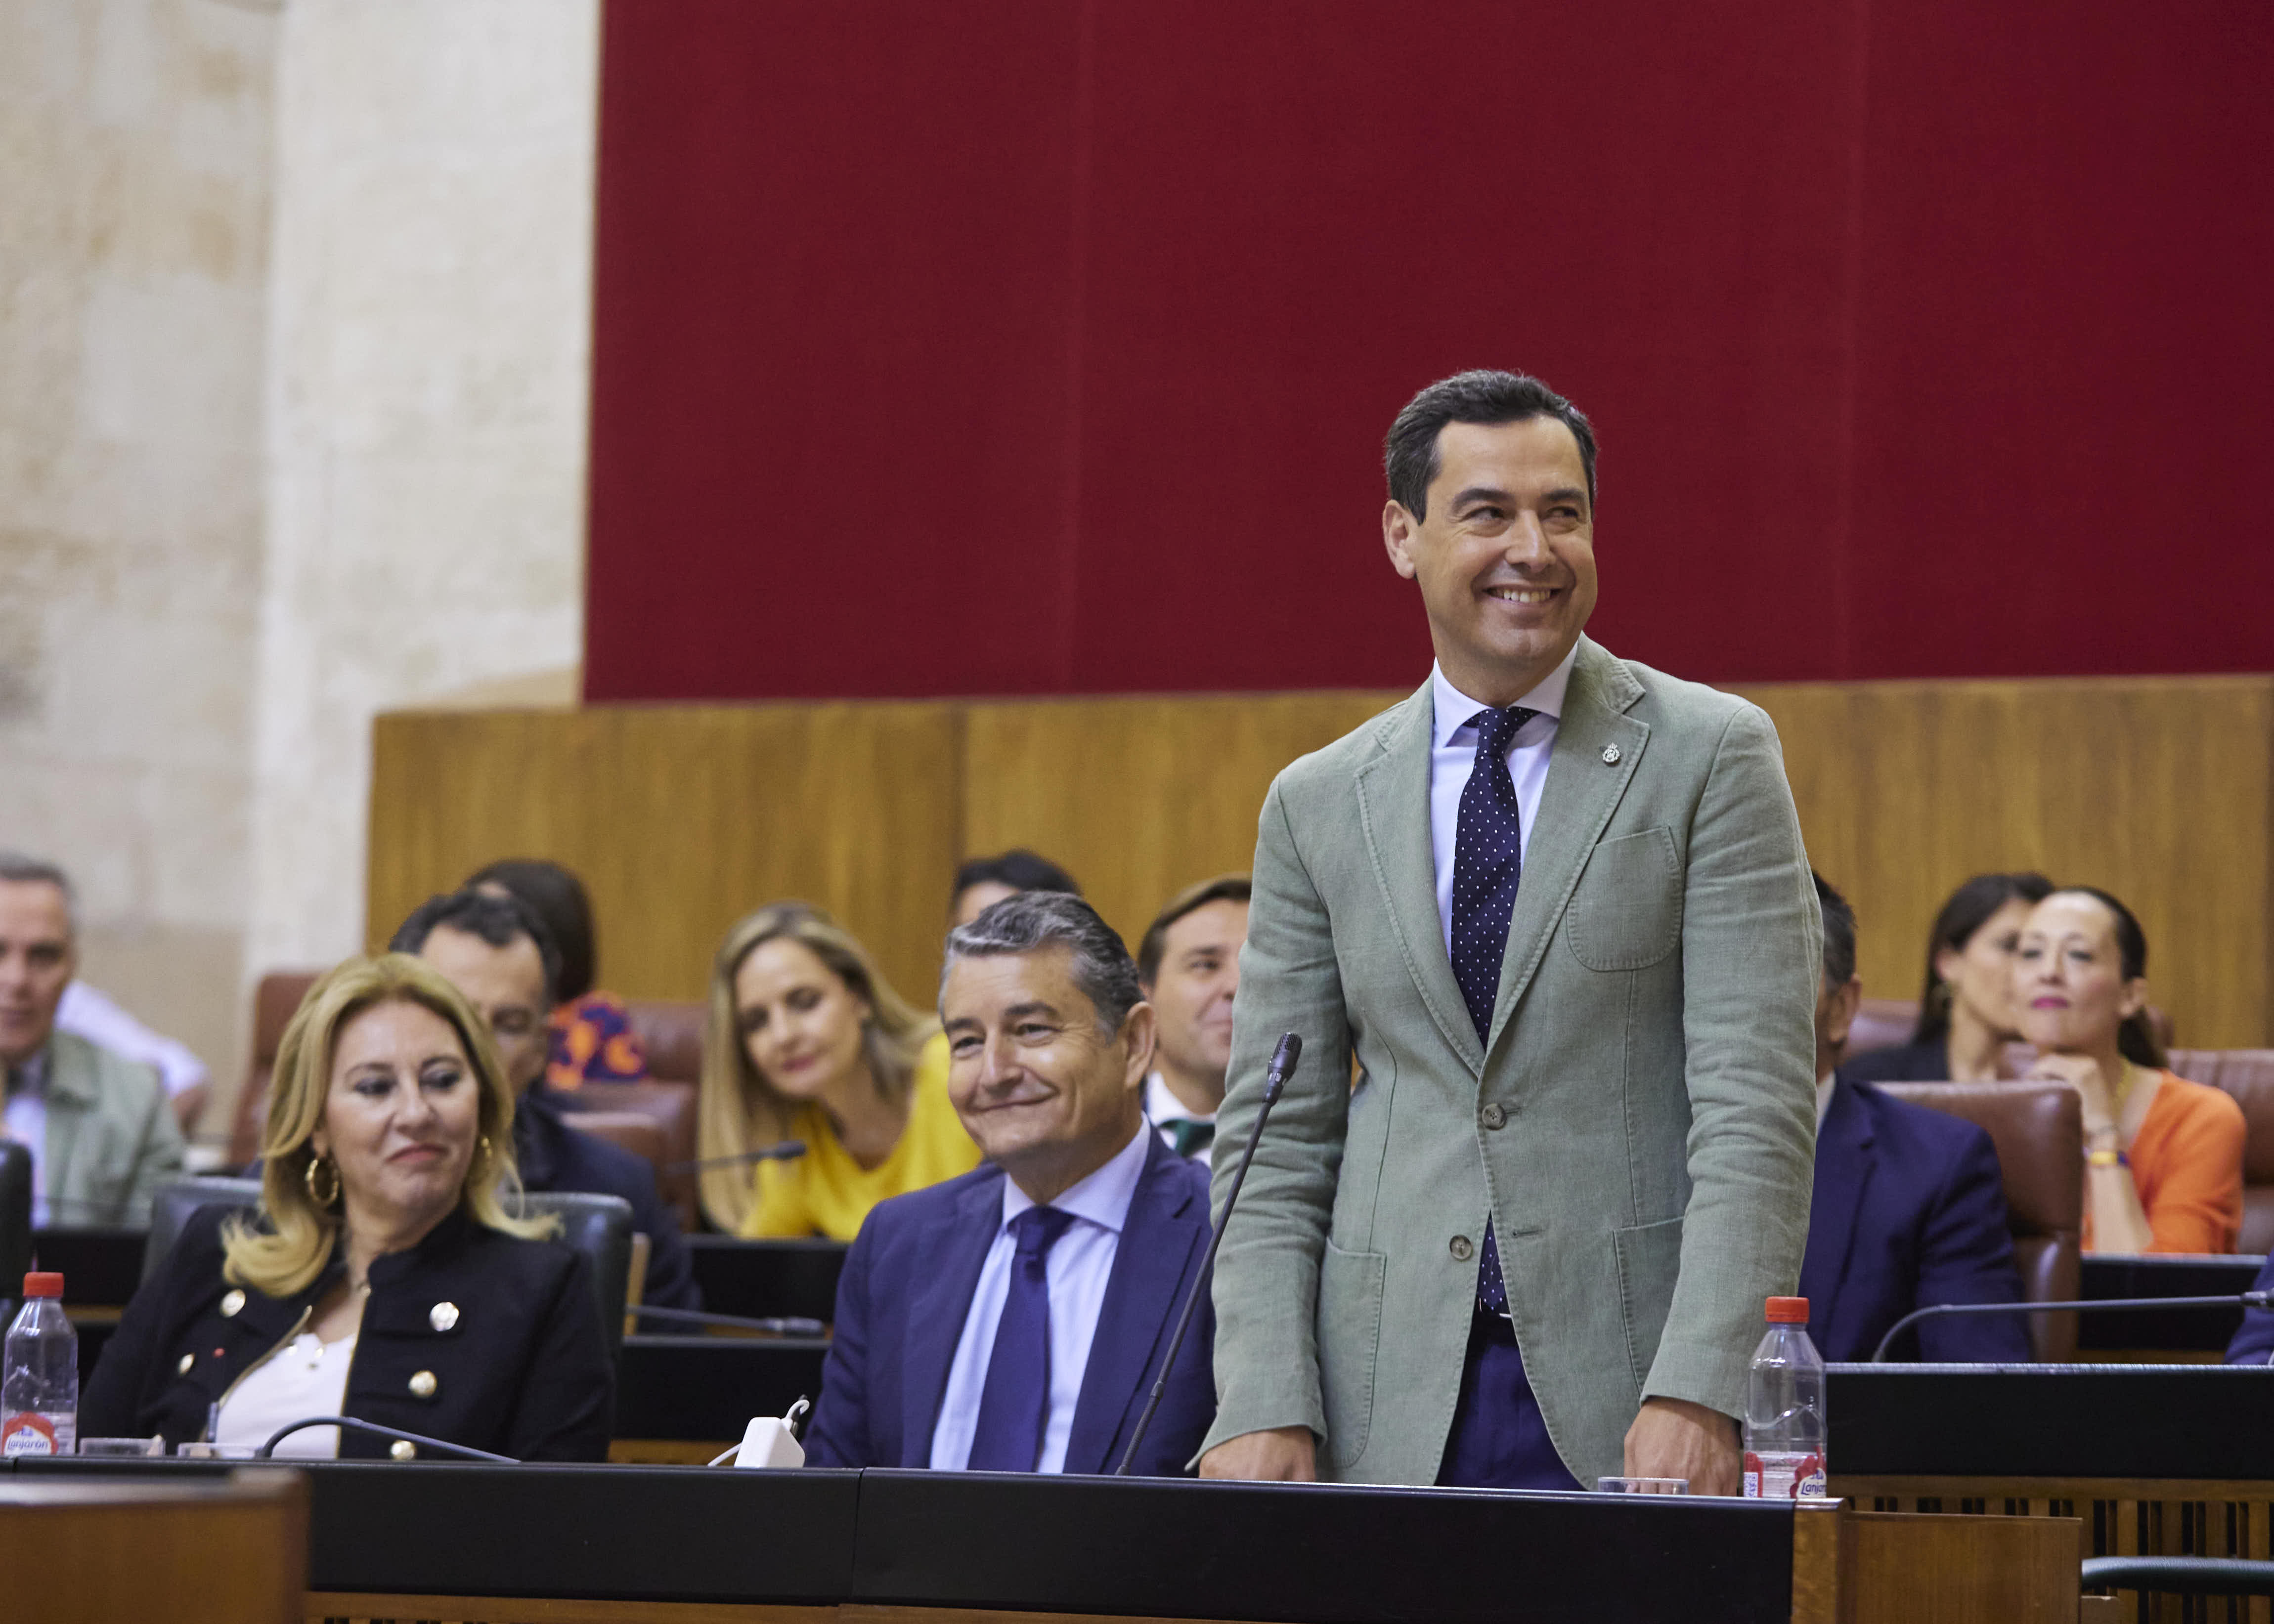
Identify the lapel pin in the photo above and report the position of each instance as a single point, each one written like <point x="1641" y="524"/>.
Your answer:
<point x="1611" y="755"/>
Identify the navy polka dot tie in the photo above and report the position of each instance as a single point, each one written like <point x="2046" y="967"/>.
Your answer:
<point x="1487" y="861"/>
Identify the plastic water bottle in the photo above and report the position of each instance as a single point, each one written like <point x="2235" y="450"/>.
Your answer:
<point x="1784" y="1409"/>
<point x="39" y="1375"/>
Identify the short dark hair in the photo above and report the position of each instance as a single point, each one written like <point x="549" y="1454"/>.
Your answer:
<point x="1839" y="933"/>
<point x="558" y="899"/>
<point x="2135" y="1040"/>
<point x="1192" y="899"/>
<point x="1967" y="910"/>
<point x="1410" y="455"/>
<point x="1035" y="920"/>
<point x="1018" y="869"/>
<point x="497" y="920"/>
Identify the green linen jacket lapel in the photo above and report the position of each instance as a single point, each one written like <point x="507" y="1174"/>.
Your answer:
<point x="1582" y="791"/>
<point x="1393" y="798"/>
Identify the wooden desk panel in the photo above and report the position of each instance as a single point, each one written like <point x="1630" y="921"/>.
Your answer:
<point x="230" y="1550"/>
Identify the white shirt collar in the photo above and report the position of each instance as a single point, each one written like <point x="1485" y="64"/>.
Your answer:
<point x="1824" y="1087"/>
<point x="1454" y="708"/>
<point x="1103" y="1197"/>
<point x="1163" y="1106"/>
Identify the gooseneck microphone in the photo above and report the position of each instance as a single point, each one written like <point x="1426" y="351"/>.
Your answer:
<point x="464" y="1452"/>
<point x="791" y="1325"/>
<point x="1275" y="1079"/>
<point x="2240" y="1299"/>
<point x="788" y="1150"/>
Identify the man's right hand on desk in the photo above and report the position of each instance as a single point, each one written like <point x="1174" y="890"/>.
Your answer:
<point x="1283" y="1454"/>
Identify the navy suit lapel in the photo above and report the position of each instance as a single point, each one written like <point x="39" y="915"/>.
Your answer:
<point x="1166" y="1230"/>
<point x="947" y="1268"/>
<point x="1843" y="1174"/>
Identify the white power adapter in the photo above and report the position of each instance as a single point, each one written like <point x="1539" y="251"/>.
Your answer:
<point x="770" y="1442"/>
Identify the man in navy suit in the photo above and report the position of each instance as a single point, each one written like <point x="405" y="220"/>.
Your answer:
<point x="1016" y="1318"/>
<point x="1909" y="1207"/>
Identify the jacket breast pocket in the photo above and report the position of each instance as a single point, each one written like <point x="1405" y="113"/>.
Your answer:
<point x="1626" y="913"/>
<point x="1350" y="1337"/>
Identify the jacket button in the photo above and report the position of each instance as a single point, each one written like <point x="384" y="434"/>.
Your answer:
<point x="1461" y="1249"/>
<point x="1493" y="1117"/>
<point x="422" y="1385"/>
<point x="404" y="1449"/>
<point x="442" y="1316"/>
<point x="231" y="1303"/>
<point x="188" y="1359"/>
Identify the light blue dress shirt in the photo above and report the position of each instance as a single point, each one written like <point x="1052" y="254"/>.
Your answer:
<point x="1078" y="1269"/>
<point x="1453" y="755"/>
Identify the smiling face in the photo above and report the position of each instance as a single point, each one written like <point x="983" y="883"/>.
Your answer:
<point x="1981" y="974"/>
<point x="1505" y="556"/>
<point x="801" y="1024"/>
<point x="401" y="1111"/>
<point x="2068" y="977"/>
<point x="36" y="963"/>
<point x="1046" y="1095"/>
<point x="1192" y="991"/>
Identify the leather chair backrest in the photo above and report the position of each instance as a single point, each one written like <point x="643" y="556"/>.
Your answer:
<point x="671" y="1108"/>
<point x="1881" y="1023"/>
<point x="274" y="1001"/>
<point x="15" y="1222"/>
<point x="599" y="1226"/>
<point x="670" y="1031"/>
<point x="2247" y="1075"/>
<point x="2039" y="1130"/>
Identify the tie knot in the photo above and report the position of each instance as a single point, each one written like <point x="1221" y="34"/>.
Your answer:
<point x="1497" y="727"/>
<point x="1035" y="1232"/>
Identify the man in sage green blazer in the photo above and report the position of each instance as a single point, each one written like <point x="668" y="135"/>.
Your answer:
<point x="99" y="1127"/>
<point x="1533" y="1243"/>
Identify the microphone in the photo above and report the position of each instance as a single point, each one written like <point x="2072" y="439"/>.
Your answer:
<point x="464" y="1452"/>
<point x="2240" y="1299"/>
<point x="788" y="1150"/>
<point x="791" y="1325"/>
<point x="1275" y="1079"/>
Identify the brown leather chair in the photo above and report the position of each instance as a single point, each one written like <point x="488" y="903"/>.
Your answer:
<point x="669" y="1109"/>
<point x="2248" y="1074"/>
<point x="274" y="1001"/>
<point x="670" y="1031"/>
<point x="642" y="1135"/>
<point x="2039" y="1129"/>
<point x="1881" y="1023"/>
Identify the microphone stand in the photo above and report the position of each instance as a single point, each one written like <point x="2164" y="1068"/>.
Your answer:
<point x="788" y="1150"/>
<point x="2244" y="1299"/>
<point x="464" y="1452"/>
<point x="794" y="1325"/>
<point x="1275" y="1079"/>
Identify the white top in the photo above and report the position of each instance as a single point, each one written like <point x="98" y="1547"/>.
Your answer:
<point x="1453" y="755"/>
<point x="1077" y="1269"/>
<point x="305" y="1377"/>
<point x="87" y="1013"/>
<point x="1162" y="1107"/>
<point x="25" y="1121"/>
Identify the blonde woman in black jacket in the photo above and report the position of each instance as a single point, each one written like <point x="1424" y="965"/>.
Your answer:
<point x="383" y="1278"/>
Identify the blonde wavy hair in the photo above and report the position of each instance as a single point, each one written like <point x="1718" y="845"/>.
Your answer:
<point x="288" y="1248"/>
<point x="738" y="1110"/>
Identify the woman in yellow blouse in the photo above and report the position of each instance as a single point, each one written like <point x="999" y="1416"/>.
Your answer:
<point x="807" y="1040"/>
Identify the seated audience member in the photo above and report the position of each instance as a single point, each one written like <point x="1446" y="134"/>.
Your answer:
<point x="498" y="955"/>
<point x="382" y="1278"/>
<point x="983" y="882"/>
<point x="103" y="1022"/>
<point x="1909" y="1205"/>
<point x="2163" y="1155"/>
<point x="592" y="1037"/>
<point x="2254" y="1339"/>
<point x="807" y="1041"/>
<point x="1188" y="967"/>
<point x="1966" y="1014"/>
<point x="100" y="1133"/>
<point x="1015" y="1319"/>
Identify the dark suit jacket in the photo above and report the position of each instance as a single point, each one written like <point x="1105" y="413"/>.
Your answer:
<point x="1910" y="1210"/>
<point x="1907" y="1062"/>
<point x="2254" y="1343"/>
<point x="555" y="1155"/>
<point x="521" y="1369"/>
<point x="908" y="1286"/>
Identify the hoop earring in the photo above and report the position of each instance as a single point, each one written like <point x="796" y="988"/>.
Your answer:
<point x="488" y="1157"/>
<point x="325" y="1200"/>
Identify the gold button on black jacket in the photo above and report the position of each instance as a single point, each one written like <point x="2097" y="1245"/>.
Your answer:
<point x="522" y="1370"/>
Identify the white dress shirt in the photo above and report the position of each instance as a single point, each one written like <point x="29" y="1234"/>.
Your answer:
<point x="1453" y="754"/>
<point x="25" y="1121"/>
<point x="1162" y="1107"/>
<point x="1078" y="1269"/>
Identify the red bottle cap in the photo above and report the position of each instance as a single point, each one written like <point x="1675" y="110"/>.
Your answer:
<point x="1787" y="1311"/>
<point x="43" y="1285"/>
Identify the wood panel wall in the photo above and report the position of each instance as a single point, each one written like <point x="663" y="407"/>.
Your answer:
<point x="681" y="818"/>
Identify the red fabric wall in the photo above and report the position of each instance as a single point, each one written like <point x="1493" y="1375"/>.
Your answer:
<point x="1025" y="347"/>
